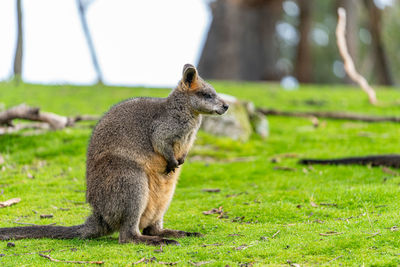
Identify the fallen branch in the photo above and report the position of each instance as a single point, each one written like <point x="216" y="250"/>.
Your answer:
<point x="33" y="113"/>
<point x="52" y="120"/>
<point x="329" y="115"/>
<point x="348" y="61"/>
<point x="9" y="202"/>
<point x="78" y="262"/>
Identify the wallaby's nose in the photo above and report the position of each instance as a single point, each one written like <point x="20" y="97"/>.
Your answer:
<point x="225" y="106"/>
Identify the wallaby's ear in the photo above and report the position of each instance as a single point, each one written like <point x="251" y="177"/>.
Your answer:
<point x="189" y="76"/>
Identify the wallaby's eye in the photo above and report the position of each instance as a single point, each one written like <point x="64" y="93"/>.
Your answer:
<point x="205" y="95"/>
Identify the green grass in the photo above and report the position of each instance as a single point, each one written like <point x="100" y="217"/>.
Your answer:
<point x="270" y="200"/>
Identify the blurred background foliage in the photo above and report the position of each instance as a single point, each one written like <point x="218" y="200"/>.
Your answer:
<point x="303" y="42"/>
<point x="290" y="41"/>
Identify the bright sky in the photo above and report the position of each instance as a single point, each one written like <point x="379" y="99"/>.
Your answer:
<point x="137" y="42"/>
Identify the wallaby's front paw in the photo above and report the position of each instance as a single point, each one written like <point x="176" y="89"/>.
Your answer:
<point x="171" y="166"/>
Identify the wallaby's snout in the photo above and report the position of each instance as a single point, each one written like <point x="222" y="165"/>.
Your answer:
<point x="223" y="107"/>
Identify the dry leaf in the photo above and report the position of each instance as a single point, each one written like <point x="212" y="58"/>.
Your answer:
<point x="284" y="168"/>
<point x="244" y="246"/>
<point x="144" y="260"/>
<point x="167" y="263"/>
<point x="214" y="211"/>
<point x="211" y="190"/>
<point x="313" y="204"/>
<point x="208" y="245"/>
<point x="46" y="216"/>
<point x="9" y="202"/>
<point x="385" y="170"/>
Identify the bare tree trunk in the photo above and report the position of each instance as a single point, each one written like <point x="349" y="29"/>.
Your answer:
<point x="19" y="49"/>
<point x="82" y="15"/>
<point x="303" y="69"/>
<point x="241" y="43"/>
<point x="382" y="68"/>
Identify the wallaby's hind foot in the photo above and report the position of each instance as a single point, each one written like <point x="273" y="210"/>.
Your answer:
<point x="152" y="231"/>
<point x="149" y="240"/>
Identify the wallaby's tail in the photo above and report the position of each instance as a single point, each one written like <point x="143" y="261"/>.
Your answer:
<point x="94" y="227"/>
<point x="375" y="160"/>
<point x="43" y="231"/>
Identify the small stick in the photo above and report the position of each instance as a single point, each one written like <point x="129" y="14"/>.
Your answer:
<point x="374" y="234"/>
<point x="139" y="261"/>
<point x="328" y="204"/>
<point x="273" y="236"/>
<point x="331" y="233"/>
<point x="338" y="257"/>
<point x="78" y="262"/>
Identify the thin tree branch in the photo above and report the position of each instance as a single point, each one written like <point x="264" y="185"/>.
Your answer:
<point x="348" y="61"/>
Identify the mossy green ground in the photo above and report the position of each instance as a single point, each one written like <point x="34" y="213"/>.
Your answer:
<point x="269" y="200"/>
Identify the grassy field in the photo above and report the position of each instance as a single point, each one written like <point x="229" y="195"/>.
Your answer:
<point x="274" y="216"/>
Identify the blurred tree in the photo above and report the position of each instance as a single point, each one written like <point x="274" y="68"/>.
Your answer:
<point x="381" y="62"/>
<point x="303" y="67"/>
<point x="241" y="43"/>
<point x="82" y="7"/>
<point x="19" y="48"/>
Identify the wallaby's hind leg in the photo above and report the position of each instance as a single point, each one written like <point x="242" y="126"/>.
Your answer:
<point x="118" y="192"/>
<point x="133" y="196"/>
<point x="156" y="229"/>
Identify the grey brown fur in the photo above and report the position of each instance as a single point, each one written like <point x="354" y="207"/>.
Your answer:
<point x="133" y="164"/>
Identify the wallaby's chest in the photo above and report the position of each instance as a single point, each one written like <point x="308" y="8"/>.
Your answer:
<point x="185" y="142"/>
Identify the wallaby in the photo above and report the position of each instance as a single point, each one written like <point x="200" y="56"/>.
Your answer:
<point x="133" y="163"/>
<point x="392" y="160"/>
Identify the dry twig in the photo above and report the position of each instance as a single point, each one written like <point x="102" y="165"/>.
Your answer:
<point x="348" y="61"/>
<point x="274" y="235"/>
<point x="338" y="257"/>
<point x="331" y="233"/>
